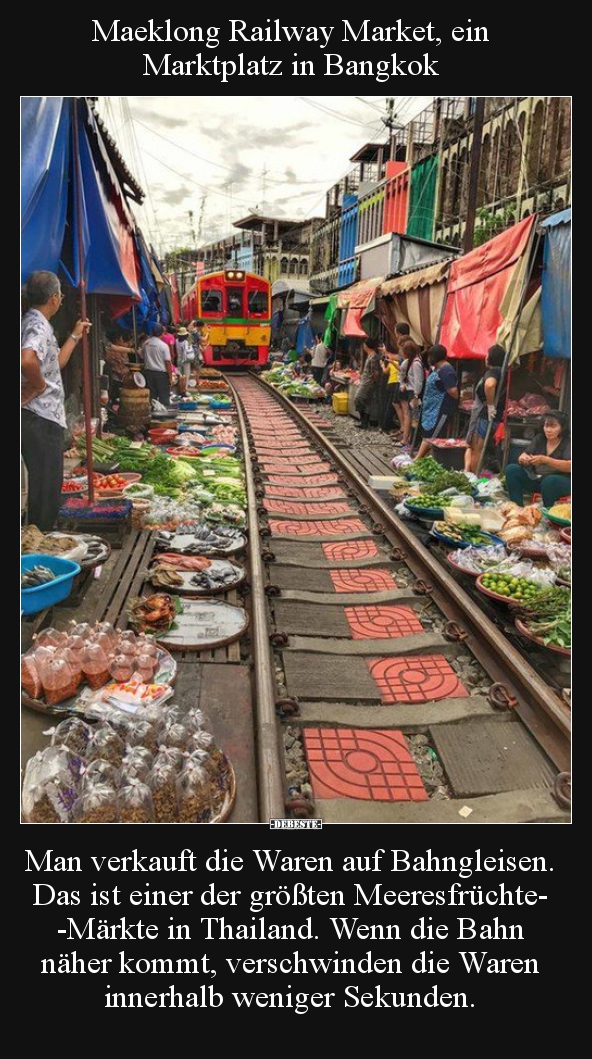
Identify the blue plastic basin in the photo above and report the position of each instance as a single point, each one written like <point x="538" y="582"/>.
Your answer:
<point x="35" y="599"/>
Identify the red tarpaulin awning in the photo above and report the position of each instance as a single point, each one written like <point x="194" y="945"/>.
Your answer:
<point x="476" y="287"/>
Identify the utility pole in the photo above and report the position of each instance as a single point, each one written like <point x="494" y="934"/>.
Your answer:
<point x="392" y="125"/>
<point x="475" y="165"/>
<point x="191" y="228"/>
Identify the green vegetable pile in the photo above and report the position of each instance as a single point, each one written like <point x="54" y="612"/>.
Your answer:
<point x="431" y="472"/>
<point x="466" y="534"/>
<point x="547" y="614"/>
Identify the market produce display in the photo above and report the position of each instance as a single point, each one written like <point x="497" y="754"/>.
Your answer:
<point x="546" y="615"/>
<point x="37" y="575"/>
<point x="463" y="535"/>
<point x="153" y="765"/>
<point x="204" y="540"/>
<point x="154" y="614"/>
<point x="59" y="662"/>
<point x="508" y="587"/>
<point x="34" y="541"/>
<point x="559" y="513"/>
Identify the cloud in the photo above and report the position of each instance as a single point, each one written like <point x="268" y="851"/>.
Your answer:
<point x="238" y="173"/>
<point x="162" y="121"/>
<point x="240" y="135"/>
<point x="175" y="196"/>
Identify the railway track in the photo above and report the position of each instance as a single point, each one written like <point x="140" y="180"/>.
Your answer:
<point x="398" y="699"/>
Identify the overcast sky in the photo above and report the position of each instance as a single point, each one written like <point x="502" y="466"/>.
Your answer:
<point x="223" y="157"/>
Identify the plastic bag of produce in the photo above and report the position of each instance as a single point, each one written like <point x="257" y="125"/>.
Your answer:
<point x="174" y="735"/>
<point x="203" y="740"/>
<point x="30" y="678"/>
<point x="142" y="734"/>
<point x="50" y="785"/>
<point x="146" y="666"/>
<point x="97" y="805"/>
<point x="137" y="764"/>
<point x="196" y="719"/>
<point x="193" y="793"/>
<point x="135" y="804"/>
<point x="170" y="755"/>
<point x="59" y="680"/>
<point x="95" y="665"/>
<point x="121" y="668"/>
<point x="106" y="636"/>
<point x="74" y="734"/>
<point x="50" y="638"/>
<point x="98" y="773"/>
<point x="82" y="629"/>
<point x="106" y="744"/>
<point x="163" y="784"/>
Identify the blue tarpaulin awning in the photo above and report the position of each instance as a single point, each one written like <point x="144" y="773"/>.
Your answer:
<point x="556" y="285"/>
<point x="45" y="165"/>
<point x="59" y="197"/>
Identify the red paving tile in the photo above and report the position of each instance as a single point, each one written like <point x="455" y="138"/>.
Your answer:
<point x="287" y="507"/>
<point x="362" y="580"/>
<point x="292" y="466"/>
<point x="275" y="436"/>
<point x="303" y="461"/>
<point x="344" y="551"/>
<point x="365" y="764"/>
<point x="382" y="622"/>
<point x="303" y="479"/>
<point x="285" y="451"/>
<point x="415" y="679"/>
<point x="285" y="492"/>
<point x="323" y="528"/>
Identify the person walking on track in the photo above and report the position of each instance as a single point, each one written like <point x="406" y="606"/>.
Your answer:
<point x="158" y="367"/>
<point x="370" y="380"/>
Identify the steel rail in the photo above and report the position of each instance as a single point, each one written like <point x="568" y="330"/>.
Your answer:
<point x="538" y="707"/>
<point x="270" y="770"/>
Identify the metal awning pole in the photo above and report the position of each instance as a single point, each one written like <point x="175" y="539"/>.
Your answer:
<point x="86" y="372"/>
<point x="534" y="247"/>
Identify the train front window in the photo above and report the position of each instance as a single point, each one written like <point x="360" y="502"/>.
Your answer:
<point x="234" y="301"/>
<point x="211" y="301"/>
<point x="257" y="302"/>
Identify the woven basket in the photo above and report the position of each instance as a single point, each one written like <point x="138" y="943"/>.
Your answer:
<point x="134" y="408"/>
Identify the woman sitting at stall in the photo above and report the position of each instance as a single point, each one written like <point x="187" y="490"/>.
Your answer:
<point x="545" y="466"/>
<point x="488" y="407"/>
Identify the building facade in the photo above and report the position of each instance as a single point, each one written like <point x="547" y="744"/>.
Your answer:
<point x="417" y="182"/>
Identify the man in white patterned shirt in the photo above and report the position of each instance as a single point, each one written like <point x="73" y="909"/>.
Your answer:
<point x="43" y="416"/>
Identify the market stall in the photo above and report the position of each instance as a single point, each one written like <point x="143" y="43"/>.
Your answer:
<point x="519" y="557"/>
<point x="127" y="747"/>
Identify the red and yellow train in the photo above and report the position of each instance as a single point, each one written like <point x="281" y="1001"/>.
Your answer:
<point x="236" y="306"/>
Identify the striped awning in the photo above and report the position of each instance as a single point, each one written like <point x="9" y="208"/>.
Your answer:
<point x="415" y="299"/>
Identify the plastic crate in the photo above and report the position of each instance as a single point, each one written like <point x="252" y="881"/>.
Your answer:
<point x="339" y="402"/>
<point x="35" y="599"/>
